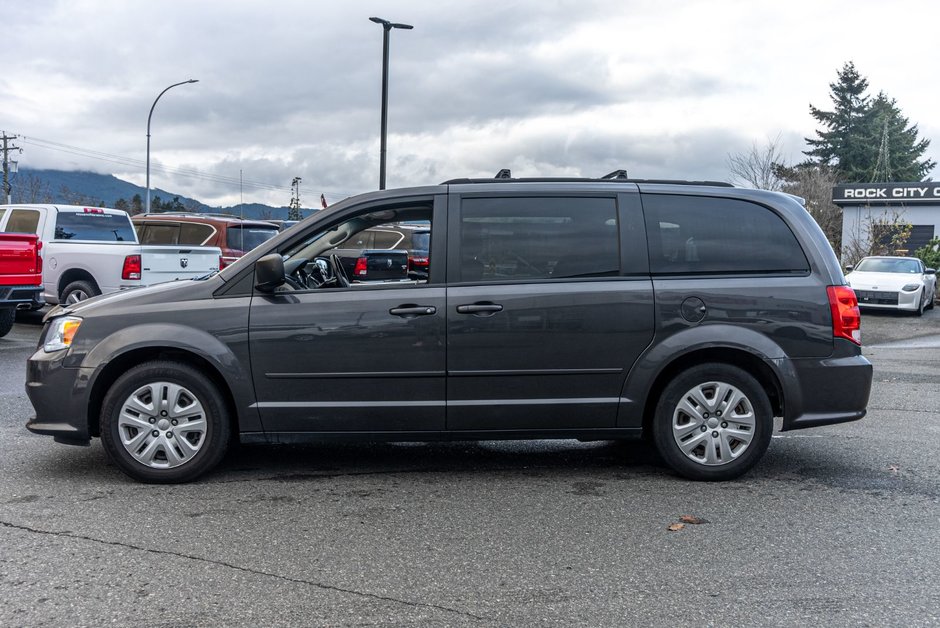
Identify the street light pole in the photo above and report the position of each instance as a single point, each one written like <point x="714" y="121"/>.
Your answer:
<point x="147" y="207"/>
<point x="387" y="27"/>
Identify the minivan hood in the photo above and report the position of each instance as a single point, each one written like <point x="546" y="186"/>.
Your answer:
<point x="167" y="292"/>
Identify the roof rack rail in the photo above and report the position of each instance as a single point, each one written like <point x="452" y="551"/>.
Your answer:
<point x="722" y="184"/>
<point x="617" y="174"/>
<point x="504" y="173"/>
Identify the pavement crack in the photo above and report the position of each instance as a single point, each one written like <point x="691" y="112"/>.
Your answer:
<point x="257" y="572"/>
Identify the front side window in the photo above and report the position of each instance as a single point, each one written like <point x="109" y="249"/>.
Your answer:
<point x="351" y="254"/>
<point x="525" y="239"/>
<point x="94" y="226"/>
<point x="705" y="235"/>
<point x="23" y="221"/>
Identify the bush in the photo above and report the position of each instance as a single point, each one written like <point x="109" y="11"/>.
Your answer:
<point x="930" y="254"/>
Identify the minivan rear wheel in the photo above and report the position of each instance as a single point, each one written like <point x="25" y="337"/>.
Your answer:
<point x="713" y="422"/>
<point x="164" y="422"/>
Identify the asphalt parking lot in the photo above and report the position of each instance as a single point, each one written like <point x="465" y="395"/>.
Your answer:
<point x="836" y="526"/>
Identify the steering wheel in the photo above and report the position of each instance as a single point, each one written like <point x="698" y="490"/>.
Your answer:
<point x="294" y="274"/>
<point x="339" y="273"/>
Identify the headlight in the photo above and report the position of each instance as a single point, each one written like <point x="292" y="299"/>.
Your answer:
<point x="61" y="332"/>
<point x="911" y="287"/>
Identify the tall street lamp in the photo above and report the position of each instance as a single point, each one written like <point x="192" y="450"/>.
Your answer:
<point x="387" y="26"/>
<point x="148" y="133"/>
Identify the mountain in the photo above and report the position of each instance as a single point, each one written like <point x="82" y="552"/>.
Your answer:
<point x="90" y="188"/>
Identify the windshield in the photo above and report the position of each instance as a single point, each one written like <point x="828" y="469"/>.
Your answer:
<point x="247" y="238"/>
<point x="888" y="265"/>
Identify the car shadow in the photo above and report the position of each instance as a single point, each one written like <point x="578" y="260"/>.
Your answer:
<point x="331" y="459"/>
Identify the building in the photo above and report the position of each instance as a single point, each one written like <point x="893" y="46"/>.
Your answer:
<point x="877" y="206"/>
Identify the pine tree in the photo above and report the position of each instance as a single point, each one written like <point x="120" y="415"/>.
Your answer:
<point x="843" y="141"/>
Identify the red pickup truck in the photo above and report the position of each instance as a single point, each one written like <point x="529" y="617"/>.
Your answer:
<point x="20" y="276"/>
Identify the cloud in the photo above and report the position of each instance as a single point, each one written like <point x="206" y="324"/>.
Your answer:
<point x="293" y="88"/>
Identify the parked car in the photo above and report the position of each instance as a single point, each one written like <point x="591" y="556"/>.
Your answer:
<point x="20" y="276"/>
<point x="893" y="283"/>
<point x="89" y="251"/>
<point x="386" y="252"/>
<point x="592" y="309"/>
<point x="232" y="234"/>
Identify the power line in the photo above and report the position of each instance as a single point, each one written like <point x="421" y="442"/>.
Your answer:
<point x="139" y="163"/>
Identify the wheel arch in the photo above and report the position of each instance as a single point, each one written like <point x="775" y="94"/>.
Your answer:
<point x="74" y="274"/>
<point x="126" y="361"/>
<point x="669" y="354"/>
<point x="134" y="345"/>
<point x="747" y="361"/>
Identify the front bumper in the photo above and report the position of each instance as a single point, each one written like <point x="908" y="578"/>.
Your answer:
<point x="60" y="397"/>
<point x="887" y="300"/>
<point x="824" y="391"/>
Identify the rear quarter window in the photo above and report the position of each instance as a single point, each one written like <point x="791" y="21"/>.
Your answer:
<point x="247" y="238"/>
<point x="704" y="235"/>
<point x="94" y="227"/>
<point x="22" y="221"/>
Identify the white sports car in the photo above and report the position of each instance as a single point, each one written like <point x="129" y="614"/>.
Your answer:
<point x="894" y="283"/>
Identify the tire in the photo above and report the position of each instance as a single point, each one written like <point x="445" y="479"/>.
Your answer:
<point x="7" y="316"/>
<point x="144" y="442"/>
<point x="696" y="399"/>
<point x="78" y="291"/>
<point x="931" y="300"/>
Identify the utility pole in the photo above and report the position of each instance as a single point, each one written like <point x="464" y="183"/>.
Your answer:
<point x="293" y="213"/>
<point x="7" y="188"/>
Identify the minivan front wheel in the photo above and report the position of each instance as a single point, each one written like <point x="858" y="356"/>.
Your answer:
<point x="713" y="422"/>
<point x="164" y="422"/>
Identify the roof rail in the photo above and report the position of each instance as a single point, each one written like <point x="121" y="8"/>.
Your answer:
<point x="504" y="173"/>
<point x="197" y="214"/>
<point x="722" y="184"/>
<point x="617" y="174"/>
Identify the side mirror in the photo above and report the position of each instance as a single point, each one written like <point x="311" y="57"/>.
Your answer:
<point x="849" y="268"/>
<point x="931" y="271"/>
<point x="269" y="272"/>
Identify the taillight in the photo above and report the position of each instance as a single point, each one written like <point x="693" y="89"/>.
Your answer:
<point x="38" y="257"/>
<point x="846" y="317"/>
<point x="417" y="263"/>
<point x="360" y="269"/>
<point x="131" y="268"/>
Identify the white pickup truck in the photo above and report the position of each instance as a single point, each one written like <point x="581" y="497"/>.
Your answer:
<point x="89" y="251"/>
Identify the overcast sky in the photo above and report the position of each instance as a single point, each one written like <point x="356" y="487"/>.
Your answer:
<point x="664" y="89"/>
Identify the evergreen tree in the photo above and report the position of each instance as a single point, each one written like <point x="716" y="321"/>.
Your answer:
<point x="137" y="204"/>
<point x="866" y="140"/>
<point x="122" y="204"/>
<point x="899" y="153"/>
<point x="843" y="140"/>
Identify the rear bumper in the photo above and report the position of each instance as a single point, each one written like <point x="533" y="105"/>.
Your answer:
<point x="21" y="297"/>
<point x="60" y="397"/>
<point x="825" y="391"/>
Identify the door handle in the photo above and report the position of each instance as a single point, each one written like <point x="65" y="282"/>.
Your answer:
<point x="480" y="309"/>
<point x="410" y="311"/>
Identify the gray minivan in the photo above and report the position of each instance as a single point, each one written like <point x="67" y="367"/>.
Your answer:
<point x="692" y="313"/>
